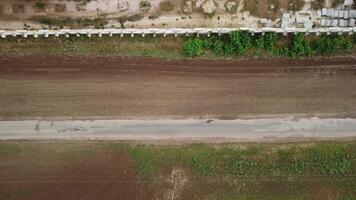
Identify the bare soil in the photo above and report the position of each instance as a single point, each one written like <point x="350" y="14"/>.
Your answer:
<point x="66" y="171"/>
<point x="126" y="88"/>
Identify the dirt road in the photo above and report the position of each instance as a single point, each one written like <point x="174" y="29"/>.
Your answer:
<point x="128" y="88"/>
<point x="276" y="129"/>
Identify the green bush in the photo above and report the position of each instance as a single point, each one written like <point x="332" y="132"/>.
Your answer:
<point x="330" y="44"/>
<point x="300" y="46"/>
<point x="40" y="5"/>
<point x="270" y="40"/>
<point x="260" y="42"/>
<point x="194" y="47"/>
<point x="236" y="165"/>
<point x="331" y="159"/>
<point x="240" y="42"/>
<point x="216" y="45"/>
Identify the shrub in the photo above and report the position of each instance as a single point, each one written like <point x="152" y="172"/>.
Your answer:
<point x="240" y="42"/>
<point x="194" y="47"/>
<point x="216" y="45"/>
<point x="236" y="165"/>
<point x="332" y="44"/>
<point x="40" y="5"/>
<point x="260" y="42"/>
<point x="331" y="159"/>
<point x="267" y="42"/>
<point x="270" y="40"/>
<point x="300" y="46"/>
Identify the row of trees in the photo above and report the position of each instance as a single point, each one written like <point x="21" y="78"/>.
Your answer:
<point x="239" y="43"/>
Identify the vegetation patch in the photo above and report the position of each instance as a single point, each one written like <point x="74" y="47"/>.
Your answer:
<point x="241" y="43"/>
<point x="195" y="171"/>
<point x="40" y="6"/>
<point x="168" y="48"/>
<point x="233" y="45"/>
<point x="231" y="161"/>
<point x="71" y="22"/>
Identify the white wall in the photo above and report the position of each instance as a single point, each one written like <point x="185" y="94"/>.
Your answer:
<point x="170" y="31"/>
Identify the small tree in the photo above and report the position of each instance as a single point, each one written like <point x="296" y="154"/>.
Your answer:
<point x="194" y="47"/>
<point x="240" y="41"/>
<point x="40" y="5"/>
<point x="300" y="46"/>
<point x="270" y="41"/>
<point x="332" y="44"/>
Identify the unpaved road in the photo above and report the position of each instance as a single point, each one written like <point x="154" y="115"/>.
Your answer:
<point x="34" y="87"/>
<point x="221" y="130"/>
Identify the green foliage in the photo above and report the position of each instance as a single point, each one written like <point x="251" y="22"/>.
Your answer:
<point x="327" y="44"/>
<point x="204" y="160"/>
<point x="330" y="159"/>
<point x="283" y="52"/>
<point x="40" y="5"/>
<point x="71" y="22"/>
<point x="145" y="160"/>
<point x="260" y="42"/>
<point x="267" y="42"/>
<point x="300" y="46"/>
<point x="194" y="47"/>
<point x="216" y="45"/>
<point x="240" y="42"/>
<point x="270" y="40"/>
<point x="235" y="164"/>
<point x="202" y="164"/>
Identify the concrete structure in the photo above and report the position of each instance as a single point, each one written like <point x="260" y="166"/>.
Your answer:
<point x="272" y="129"/>
<point x="174" y="31"/>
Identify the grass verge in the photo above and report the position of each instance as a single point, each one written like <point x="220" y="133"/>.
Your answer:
<point x="234" y="45"/>
<point x="223" y="171"/>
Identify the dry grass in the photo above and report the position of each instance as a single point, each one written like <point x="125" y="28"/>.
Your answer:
<point x="1" y="10"/>
<point x="271" y="9"/>
<point x="317" y="4"/>
<point x="97" y="170"/>
<point x="60" y="8"/>
<point x="295" y="5"/>
<point x="18" y="8"/>
<point x="263" y="8"/>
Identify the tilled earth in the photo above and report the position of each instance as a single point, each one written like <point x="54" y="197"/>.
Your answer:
<point x="126" y="88"/>
<point x="66" y="171"/>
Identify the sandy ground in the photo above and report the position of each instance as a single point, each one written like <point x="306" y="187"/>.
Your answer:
<point x="243" y="130"/>
<point x="123" y="88"/>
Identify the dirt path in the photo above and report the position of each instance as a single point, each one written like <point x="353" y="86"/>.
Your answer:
<point x="127" y="88"/>
<point x="252" y="130"/>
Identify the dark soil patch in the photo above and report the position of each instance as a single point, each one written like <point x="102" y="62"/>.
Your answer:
<point x="67" y="171"/>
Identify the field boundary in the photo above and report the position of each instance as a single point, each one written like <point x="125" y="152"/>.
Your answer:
<point x="171" y="31"/>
